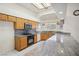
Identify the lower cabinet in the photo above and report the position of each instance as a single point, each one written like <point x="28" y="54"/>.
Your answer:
<point x="45" y="35"/>
<point x="20" y="43"/>
<point x="50" y="34"/>
<point x="35" y="38"/>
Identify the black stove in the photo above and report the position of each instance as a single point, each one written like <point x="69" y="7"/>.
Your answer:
<point x="30" y="40"/>
<point x="30" y="36"/>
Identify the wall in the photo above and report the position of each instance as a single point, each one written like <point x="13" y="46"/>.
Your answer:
<point x="46" y="26"/>
<point x="7" y="31"/>
<point x="16" y="10"/>
<point x="72" y="22"/>
<point x="6" y="37"/>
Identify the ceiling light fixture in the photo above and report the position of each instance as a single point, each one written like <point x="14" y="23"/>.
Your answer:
<point x="41" y="5"/>
<point x="38" y="5"/>
<point x="46" y="4"/>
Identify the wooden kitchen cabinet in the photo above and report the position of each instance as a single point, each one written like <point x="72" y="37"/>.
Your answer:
<point x="20" y="43"/>
<point x="50" y="34"/>
<point x="34" y="25"/>
<point x="26" y="21"/>
<point x="46" y="35"/>
<point x="11" y="18"/>
<point x="3" y="17"/>
<point x="35" y="38"/>
<point x="19" y="23"/>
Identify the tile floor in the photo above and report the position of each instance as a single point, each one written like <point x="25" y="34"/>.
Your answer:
<point x="58" y="45"/>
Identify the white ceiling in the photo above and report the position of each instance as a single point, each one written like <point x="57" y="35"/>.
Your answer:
<point x="48" y="18"/>
<point x="49" y="14"/>
<point x="60" y="7"/>
<point x="29" y="6"/>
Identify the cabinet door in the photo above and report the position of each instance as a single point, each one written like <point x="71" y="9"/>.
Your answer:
<point x="29" y="22"/>
<point x="43" y="36"/>
<point x="19" y="23"/>
<point x="3" y="17"/>
<point x="49" y="34"/>
<point x="26" y="21"/>
<point x="35" y="38"/>
<point x="20" y="43"/>
<point x="11" y="18"/>
<point x="17" y="43"/>
<point x="23" y="42"/>
<point x="33" y="25"/>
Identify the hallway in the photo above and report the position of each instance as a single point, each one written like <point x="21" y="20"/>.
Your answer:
<point x="58" y="45"/>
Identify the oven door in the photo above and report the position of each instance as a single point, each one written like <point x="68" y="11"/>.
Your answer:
<point x="30" y="40"/>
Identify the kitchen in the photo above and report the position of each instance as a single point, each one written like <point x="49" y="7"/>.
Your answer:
<point x="24" y="30"/>
<point x="39" y="29"/>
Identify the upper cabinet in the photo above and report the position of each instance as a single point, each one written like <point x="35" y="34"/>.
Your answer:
<point x="11" y="18"/>
<point x="19" y="23"/>
<point x="34" y="24"/>
<point x="26" y="21"/>
<point x="3" y="17"/>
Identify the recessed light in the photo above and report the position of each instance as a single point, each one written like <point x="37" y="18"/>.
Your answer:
<point x="61" y="18"/>
<point x="60" y="12"/>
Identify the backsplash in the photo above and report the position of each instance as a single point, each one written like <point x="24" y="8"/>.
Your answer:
<point x="19" y="31"/>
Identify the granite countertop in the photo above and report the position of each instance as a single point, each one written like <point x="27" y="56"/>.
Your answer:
<point x="20" y="35"/>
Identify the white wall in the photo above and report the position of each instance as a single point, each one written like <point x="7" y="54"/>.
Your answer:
<point x="72" y="22"/>
<point x="16" y="10"/>
<point x="46" y="26"/>
<point x="6" y="36"/>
